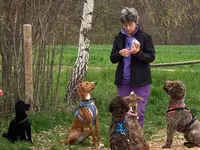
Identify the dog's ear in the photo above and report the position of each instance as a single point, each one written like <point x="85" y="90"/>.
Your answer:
<point x="80" y="89"/>
<point x="113" y="103"/>
<point x="79" y="85"/>
<point x="125" y="105"/>
<point x="21" y="106"/>
<point x="127" y="99"/>
<point x="139" y="98"/>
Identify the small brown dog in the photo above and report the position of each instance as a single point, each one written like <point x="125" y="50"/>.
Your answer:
<point x="178" y="117"/>
<point x="136" y="133"/>
<point x="85" y="117"/>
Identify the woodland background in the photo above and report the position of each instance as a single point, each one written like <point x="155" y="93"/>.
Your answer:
<point x="55" y="27"/>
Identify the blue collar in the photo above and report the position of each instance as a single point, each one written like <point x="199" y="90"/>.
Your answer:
<point x="121" y="129"/>
<point x="86" y="103"/>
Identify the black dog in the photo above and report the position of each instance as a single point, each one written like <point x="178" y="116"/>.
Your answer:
<point x="20" y="127"/>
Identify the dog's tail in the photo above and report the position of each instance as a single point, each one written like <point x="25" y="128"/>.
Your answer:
<point x="4" y="135"/>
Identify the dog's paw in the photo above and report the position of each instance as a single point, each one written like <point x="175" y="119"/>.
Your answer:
<point x="186" y="143"/>
<point x="189" y="144"/>
<point x="62" y="141"/>
<point x="101" y="145"/>
<point x="30" y="141"/>
<point x="166" y="146"/>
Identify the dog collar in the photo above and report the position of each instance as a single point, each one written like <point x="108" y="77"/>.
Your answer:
<point x="87" y="100"/>
<point x="176" y="107"/>
<point x="121" y="129"/>
<point x="86" y="103"/>
<point x="23" y="120"/>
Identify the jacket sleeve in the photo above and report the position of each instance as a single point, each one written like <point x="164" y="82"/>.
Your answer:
<point x="115" y="57"/>
<point x="147" y="55"/>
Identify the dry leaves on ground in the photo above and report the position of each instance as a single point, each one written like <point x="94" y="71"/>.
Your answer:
<point x="159" y="140"/>
<point x="45" y="140"/>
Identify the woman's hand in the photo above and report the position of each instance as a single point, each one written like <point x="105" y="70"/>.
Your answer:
<point x="124" y="52"/>
<point x="135" y="48"/>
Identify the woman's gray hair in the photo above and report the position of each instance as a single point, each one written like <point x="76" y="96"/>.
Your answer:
<point x="129" y="15"/>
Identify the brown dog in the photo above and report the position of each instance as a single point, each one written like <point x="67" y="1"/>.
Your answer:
<point x="178" y="117"/>
<point x="85" y="117"/>
<point x="136" y="133"/>
<point x="125" y="132"/>
<point x="119" y="129"/>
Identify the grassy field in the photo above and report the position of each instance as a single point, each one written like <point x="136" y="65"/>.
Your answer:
<point x="49" y="128"/>
<point x="99" y="54"/>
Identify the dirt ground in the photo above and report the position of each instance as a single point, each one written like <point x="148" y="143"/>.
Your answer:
<point x="46" y="139"/>
<point x="159" y="140"/>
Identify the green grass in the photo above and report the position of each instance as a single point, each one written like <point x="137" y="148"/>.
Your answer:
<point x="99" y="54"/>
<point x="105" y="91"/>
<point x="49" y="128"/>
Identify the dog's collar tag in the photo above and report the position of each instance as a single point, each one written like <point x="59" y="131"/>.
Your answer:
<point x="121" y="129"/>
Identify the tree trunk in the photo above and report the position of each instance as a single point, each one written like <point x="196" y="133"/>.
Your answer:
<point x="10" y="50"/>
<point x="80" y="68"/>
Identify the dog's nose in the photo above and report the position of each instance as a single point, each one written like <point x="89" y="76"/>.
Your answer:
<point x="95" y="83"/>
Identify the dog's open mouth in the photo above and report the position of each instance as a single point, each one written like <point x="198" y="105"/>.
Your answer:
<point x="131" y="113"/>
<point x="92" y="88"/>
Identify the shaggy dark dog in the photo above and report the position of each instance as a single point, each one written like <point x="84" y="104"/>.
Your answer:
<point x="19" y="128"/>
<point x="119" y="134"/>
<point x="178" y="117"/>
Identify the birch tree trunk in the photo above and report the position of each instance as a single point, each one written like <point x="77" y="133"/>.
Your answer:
<point x="80" y="68"/>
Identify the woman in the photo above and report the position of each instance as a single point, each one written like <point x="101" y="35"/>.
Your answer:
<point x="133" y="50"/>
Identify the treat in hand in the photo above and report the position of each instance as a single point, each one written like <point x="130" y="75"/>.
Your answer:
<point x="135" y="46"/>
<point x="135" y="42"/>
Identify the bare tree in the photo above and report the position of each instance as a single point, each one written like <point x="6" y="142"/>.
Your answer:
<point x="49" y="19"/>
<point x="167" y="15"/>
<point x="192" y="21"/>
<point x="10" y="39"/>
<point x="80" y="68"/>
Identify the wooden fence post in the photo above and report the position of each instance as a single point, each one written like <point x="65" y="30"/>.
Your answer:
<point x="27" y="37"/>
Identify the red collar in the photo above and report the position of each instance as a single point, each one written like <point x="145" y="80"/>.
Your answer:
<point x="177" y="107"/>
<point x="173" y="106"/>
